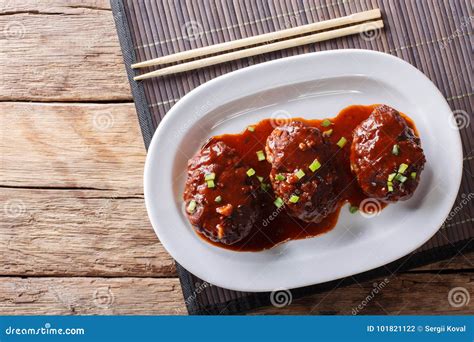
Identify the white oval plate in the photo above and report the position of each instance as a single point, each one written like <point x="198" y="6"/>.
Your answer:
<point x="316" y="85"/>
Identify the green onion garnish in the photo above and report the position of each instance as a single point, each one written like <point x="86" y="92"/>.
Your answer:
<point x="294" y="199"/>
<point x="342" y="142"/>
<point x="390" y="186"/>
<point x="326" y="123"/>
<point x="265" y="186"/>
<point x="402" y="178"/>
<point x="327" y="133"/>
<point x="300" y="174"/>
<point x="260" y="178"/>
<point x="314" y="165"/>
<point x="210" y="176"/>
<point x="280" y="177"/>
<point x="278" y="202"/>
<point x="251" y="128"/>
<point x="395" y="150"/>
<point x="218" y="199"/>
<point x="191" y="206"/>
<point x="391" y="176"/>
<point x="402" y="168"/>
<point x="260" y="155"/>
<point x="413" y="175"/>
<point x="210" y="184"/>
<point x="250" y="172"/>
<point x="353" y="209"/>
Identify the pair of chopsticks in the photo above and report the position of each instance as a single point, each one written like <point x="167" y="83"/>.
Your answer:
<point x="352" y="24"/>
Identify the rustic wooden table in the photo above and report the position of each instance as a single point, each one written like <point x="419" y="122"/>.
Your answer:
<point x="74" y="233"/>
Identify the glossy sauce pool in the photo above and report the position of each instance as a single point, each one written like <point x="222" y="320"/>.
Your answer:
<point x="276" y="226"/>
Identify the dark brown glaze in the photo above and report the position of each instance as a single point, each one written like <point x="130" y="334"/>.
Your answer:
<point x="275" y="225"/>
<point x="231" y="217"/>
<point x="292" y="149"/>
<point x="382" y="143"/>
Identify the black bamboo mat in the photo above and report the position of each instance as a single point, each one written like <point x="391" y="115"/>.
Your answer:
<point x="435" y="36"/>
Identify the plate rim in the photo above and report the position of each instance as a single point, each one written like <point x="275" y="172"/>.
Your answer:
<point x="170" y="116"/>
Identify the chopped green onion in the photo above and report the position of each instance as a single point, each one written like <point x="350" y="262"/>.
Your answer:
<point x="402" y="168"/>
<point x="353" y="209"/>
<point x="210" y="176"/>
<point x="327" y="133"/>
<point x="314" y="165"/>
<point x="191" y="206"/>
<point x="390" y="186"/>
<point x="265" y="186"/>
<point x="395" y="150"/>
<point x="260" y="155"/>
<point x="251" y="128"/>
<point x="326" y="123"/>
<point x="294" y="199"/>
<point x="218" y="199"/>
<point x="413" y="175"/>
<point x="402" y="178"/>
<point x="278" y="202"/>
<point x="342" y="142"/>
<point x="250" y="172"/>
<point x="300" y="174"/>
<point x="391" y="176"/>
<point x="280" y="177"/>
<point x="210" y="184"/>
<point x="260" y="178"/>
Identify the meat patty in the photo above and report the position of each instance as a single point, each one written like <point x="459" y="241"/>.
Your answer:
<point x="302" y="174"/>
<point x="220" y="197"/>
<point x="386" y="156"/>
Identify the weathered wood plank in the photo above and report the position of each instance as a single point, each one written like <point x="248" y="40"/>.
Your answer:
<point x="405" y="294"/>
<point x="53" y="6"/>
<point x="60" y="51"/>
<point x="71" y="145"/>
<point x="88" y="296"/>
<point x="463" y="261"/>
<point x="78" y="233"/>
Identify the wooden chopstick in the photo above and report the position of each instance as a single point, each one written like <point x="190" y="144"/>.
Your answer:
<point x="207" y="50"/>
<point x="285" y="44"/>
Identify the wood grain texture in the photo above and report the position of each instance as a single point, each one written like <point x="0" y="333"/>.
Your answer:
<point x="462" y="261"/>
<point x="78" y="233"/>
<point x="404" y="294"/>
<point x="60" y="51"/>
<point x="90" y="296"/>
<point x="71" y="145"/>
<point x="53" y="6"/>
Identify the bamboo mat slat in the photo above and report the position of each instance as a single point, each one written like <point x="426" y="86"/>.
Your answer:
<point x="434" y="36"/>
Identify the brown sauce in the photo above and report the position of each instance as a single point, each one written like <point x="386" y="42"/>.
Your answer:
<point x="276" y="226"/>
